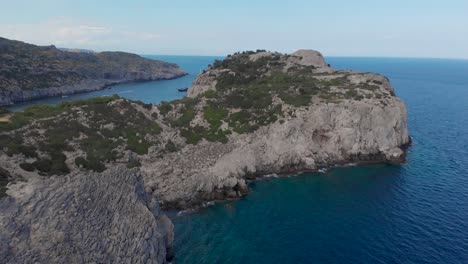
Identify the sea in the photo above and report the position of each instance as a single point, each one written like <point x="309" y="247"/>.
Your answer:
<point x="416" y="212"/>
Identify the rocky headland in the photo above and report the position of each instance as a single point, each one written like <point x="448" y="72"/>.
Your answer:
<point x="30" y="72"/>
<point x="250" y="115"/>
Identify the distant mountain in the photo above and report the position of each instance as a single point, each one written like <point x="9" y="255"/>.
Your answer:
<point x="29" y="72"/>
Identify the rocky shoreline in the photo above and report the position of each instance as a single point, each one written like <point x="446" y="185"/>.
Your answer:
<point x="251" y="115"/>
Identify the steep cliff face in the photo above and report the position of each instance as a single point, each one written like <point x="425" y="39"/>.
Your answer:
<point x="29" y="72"/>
<point x="353" y="118"/>
<point x="253" y="114"/>
<point x="85" y="218"/>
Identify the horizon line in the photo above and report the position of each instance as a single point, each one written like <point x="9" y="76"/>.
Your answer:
<point x="192" y="55"/>
<point x="325" y="56"/>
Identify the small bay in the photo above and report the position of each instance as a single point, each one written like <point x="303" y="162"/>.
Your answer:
<point x="148" y="92"/>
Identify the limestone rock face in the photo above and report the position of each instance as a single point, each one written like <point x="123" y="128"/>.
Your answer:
<point x="203" y="83"/>
<point x="359" y="119"/>
<point x="250" y="115"/>
<point x="85" y="218"/>
<point x="322" y="136"/>
<point x="308" y="58"/>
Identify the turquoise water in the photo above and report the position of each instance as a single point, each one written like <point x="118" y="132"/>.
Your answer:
<point x="148" y="92"/>
<point x="413" y="213"/>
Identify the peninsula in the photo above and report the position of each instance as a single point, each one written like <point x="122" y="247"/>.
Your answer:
<point x="103" y="168"/>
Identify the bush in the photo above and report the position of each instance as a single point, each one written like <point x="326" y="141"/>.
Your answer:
<point x="193" y="135"/>
<point x="188" y="114"/>
<point x="170" y="146"/>
<point x="94" y="165"/>
<point x="14" y="145"/>
<point x="133" y="163"/>
<point x="27" y="166"/>
<point x="3" y="111"/>
<point x="137" y="144"/>
<point x="214" y="115"/>
<point x="4" y="179"/>
<point x="165" y="108"/>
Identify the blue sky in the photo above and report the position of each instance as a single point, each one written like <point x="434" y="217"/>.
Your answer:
<point x="396" y="28"/>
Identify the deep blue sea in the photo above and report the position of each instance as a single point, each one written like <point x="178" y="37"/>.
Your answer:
<point x="413" y="213"/>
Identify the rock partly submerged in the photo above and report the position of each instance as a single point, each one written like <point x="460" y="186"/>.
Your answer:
<point x="252" y="114"/>
<point x="30" y="72"/>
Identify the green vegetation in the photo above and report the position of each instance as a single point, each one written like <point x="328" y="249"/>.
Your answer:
<point x="31" y="67"/>
<point x="105" y="129"/>
<point x="249" y="95"/>
<point x="41" y="111"/>
<point x="170" y="146"/>
<point x="4" y="179"/>
<point x="3" y="111"/>
<point x="133" y="163"/>
<point x="164" y="108"/>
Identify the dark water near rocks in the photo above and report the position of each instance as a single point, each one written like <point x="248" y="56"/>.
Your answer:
<point x="414" y="213"/>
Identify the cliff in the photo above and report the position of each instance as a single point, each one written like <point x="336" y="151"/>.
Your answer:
<point x="29" y="72"/>
<point x="250" y="115"/>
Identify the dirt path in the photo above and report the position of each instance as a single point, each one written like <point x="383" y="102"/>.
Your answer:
<point x="5" y="118"/>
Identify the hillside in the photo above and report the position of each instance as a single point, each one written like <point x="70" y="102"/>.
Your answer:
<point x="250" y="115"/>
<point x="29" y="72"/>
<point x="285" y="112"/>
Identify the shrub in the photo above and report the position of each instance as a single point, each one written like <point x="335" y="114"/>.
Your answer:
<point x="214" y="115"/>
<point x="170" y="146"/>
<point x="94" y="165"/>
<point x="27" y="166"/>
<point x="188" y="114"/>
<point x="165" y="108"/>
<point x="190" y="136"/>
<point x="133" y="163"/>
<point x="4" y="179"/>
<point x="3" y="111"/>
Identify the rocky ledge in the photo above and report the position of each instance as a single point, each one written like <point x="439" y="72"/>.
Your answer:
<point x="84" y="218"/>
<point x="252" y="114"/>
<point x="30" y="72"/>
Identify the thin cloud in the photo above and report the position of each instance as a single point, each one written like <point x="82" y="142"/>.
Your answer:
<point x="73" y="33"/>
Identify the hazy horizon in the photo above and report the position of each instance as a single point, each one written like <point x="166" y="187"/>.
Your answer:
<point x="362" y="28"/>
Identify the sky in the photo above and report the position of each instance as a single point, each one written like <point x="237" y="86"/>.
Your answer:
<point x="371" y="28"/>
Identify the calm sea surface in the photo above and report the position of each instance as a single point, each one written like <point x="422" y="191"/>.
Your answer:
<point x="148" y="92"/>
<point x="413" y="213"/>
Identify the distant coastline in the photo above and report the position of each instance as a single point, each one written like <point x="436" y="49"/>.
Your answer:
<point x="31" y="72"/>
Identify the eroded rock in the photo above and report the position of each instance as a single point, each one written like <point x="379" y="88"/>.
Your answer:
<point x="84" y="218"/>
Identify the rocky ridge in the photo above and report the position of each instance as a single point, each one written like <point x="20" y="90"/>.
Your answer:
<point x="30" y="72"/>
<point x="250" y="115"/>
